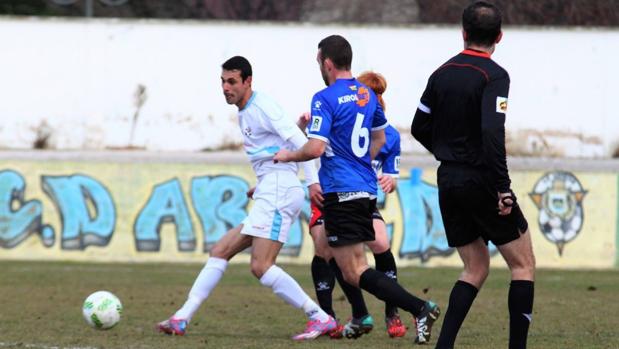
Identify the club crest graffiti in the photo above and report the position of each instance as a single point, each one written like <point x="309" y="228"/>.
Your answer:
<point x="559" y="198"/>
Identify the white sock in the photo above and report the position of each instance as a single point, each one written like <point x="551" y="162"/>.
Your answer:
<point x="286" y="288"/>
<point x="205" y="283"/>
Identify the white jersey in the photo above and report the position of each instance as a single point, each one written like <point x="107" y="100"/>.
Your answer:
<point x="265" y="130"/>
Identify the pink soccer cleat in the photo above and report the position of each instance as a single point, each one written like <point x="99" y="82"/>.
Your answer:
<point x="315" y="328"/>
<point x="172" y="326"/>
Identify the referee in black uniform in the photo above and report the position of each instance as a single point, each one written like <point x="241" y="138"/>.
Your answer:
<point x="461" y="120"/>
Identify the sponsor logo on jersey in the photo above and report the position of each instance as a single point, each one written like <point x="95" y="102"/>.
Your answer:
<point x="316" y="123"/>
<point x="363" y="96"/>
<point x="559" y="198"/>
<point x="501" y="105"/>
<point x="317" y="105"/>
<point x="396" y="164"/>
<point x="347" y="99"/>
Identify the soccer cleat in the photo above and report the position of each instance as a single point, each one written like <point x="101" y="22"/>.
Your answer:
<point x="356" y="328"/>
<point x="315" y="328"/>
<point x="337" y="332"/>
<point x="172" y="326"/>
<point x="395" y="327"/>
<point x="424" y="322"/>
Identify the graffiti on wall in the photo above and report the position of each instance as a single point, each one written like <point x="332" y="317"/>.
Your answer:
<point x="559" y="198"/>
<point x="87" y="213"/>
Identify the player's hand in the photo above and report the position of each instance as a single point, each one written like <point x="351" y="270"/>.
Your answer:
<point x="282" y="156"/>
<point x="250" y="192"/>
<point x="315" y="194"/>
<point x="506" y="201"/>
<point x="303" y="120"/>
<point x="387" y="183"/>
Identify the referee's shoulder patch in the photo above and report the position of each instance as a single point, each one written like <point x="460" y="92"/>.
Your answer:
<point x="501" y="104"/>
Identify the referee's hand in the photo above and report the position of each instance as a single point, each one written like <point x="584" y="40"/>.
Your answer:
<point x="506" y="202"/>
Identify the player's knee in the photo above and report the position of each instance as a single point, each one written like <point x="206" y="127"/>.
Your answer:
<point x="524" y="270"/>
<point x="219" y="251"/>
<point x="476" y="273"/>
<point x="258" y="268"/>
<point x="351" y="277"/>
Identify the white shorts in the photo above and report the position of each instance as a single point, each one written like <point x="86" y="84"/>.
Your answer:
<point x="278" y="199"/>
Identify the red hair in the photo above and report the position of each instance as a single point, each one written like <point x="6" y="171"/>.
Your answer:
<point x="376" y="82"/>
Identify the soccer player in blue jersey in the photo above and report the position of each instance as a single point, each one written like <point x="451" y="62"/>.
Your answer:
<point x="325" y="270"/>
<point x="277" y="202"/>
<point x="346" y="131"/>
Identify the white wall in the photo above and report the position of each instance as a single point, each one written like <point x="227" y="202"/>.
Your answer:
<point x="80" y="77"/>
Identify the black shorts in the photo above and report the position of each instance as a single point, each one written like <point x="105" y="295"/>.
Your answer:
<point x="376" y="214"/>
<point x="471" y="211"/>
<point x="348" y="222"/>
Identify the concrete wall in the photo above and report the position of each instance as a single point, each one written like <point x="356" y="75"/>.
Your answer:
<point x="152" y="207"/>
<point x="76" y="81"/>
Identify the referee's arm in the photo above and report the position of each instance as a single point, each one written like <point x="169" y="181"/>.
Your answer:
<point x="421" y="128"/>
<point x="493" y="109"/>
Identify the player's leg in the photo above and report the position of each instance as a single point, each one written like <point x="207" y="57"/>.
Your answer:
<point x="476" y="261"/>
<point x="278" y="200"/>
<point x="322" y="275"/>
<point x="460" y="207"/>
<point x="385" y="263"/>
<point x="520" y="259"/>
<point x="227" y="247"/>
<point x="349" y="225"/>
<point x="264" y="253"/>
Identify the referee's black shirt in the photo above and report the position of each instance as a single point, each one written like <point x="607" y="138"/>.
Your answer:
<point x="461" y="116"/>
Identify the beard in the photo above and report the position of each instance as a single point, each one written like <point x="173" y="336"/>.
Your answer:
<point x="325" y="78"/>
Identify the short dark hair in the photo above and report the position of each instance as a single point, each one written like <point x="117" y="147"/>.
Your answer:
<point x="238" y="63"/>
<point x="338" y="50"/>
<point x="482" y="23"/>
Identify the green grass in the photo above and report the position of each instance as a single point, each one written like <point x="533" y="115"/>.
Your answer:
<point x="40" y="307"/>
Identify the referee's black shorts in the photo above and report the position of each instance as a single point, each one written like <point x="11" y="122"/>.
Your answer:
<point x="470" y="210"/>
<point x="348" y="222"/>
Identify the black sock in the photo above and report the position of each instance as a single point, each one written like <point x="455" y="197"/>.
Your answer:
<point x="460" y="300"/>
<point x="324" y="280"/>
<point x="385" y="263"/>
<point x="520" y="302"/>
<point x="353" y="294"/>
<point x="387" y="290"/>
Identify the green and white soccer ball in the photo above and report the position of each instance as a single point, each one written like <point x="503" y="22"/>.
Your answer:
<point x="102" y="310"/>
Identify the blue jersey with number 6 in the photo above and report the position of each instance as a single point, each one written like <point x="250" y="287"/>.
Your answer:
<point x="344" y="115"/>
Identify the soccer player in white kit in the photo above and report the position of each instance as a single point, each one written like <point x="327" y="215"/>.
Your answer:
<point x="278" y="197"/>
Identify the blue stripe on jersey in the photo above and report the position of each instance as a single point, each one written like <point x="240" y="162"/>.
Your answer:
<point x="276" y="227"/>
<point x="271" y="150"/>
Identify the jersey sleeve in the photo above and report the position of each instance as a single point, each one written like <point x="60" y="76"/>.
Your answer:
<point x="320" y="122"/>
<point x="391" y="164"/>
<point x="379" y="121"/>
<point x="421" y="127"/>
<point x="493" y="111"/>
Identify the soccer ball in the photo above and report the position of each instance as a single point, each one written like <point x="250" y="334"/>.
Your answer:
<point x="102" y="310"/>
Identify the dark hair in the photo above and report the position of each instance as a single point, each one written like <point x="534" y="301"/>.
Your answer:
<point x="338" y="50"/>
<point x="238" y="63"/>
<point x="482" y="23"/>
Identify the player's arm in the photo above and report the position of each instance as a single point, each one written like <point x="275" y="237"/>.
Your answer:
<point x="421" y="127"/>
<point x="378" y="141"/>
<point x="318" y="133"/>
<point x="391" y="166"/>
<point x="493" y="111"/>
<point x="379" y="124"/>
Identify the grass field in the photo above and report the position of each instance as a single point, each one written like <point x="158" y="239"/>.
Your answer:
<point x="40" y="307"/>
